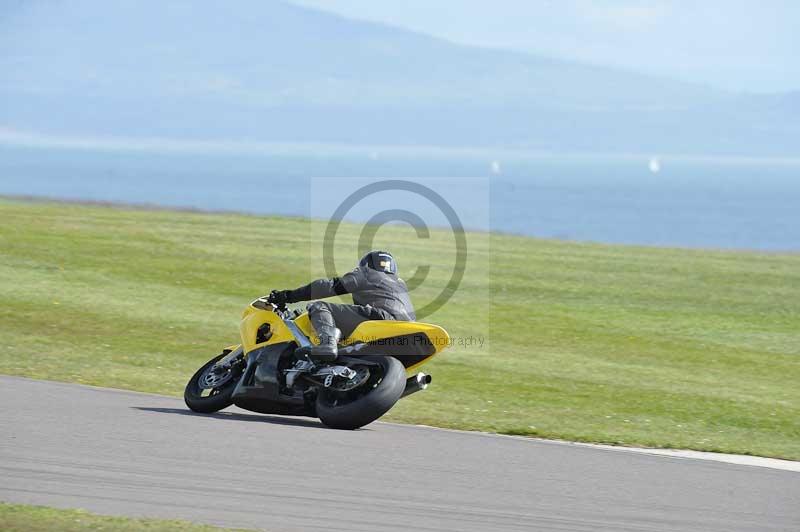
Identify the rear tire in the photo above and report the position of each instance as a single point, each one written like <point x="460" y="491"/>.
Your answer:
<point x="220" y="397"/>
<point x="367" y="408"/>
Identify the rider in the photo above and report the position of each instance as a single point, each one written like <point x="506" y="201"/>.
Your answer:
<point x="378" y="294"/>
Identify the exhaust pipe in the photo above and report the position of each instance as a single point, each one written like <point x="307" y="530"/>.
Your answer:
<point x="417" y="383"/>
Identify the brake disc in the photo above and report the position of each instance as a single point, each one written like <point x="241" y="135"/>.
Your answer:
<point x="214" y="377"/>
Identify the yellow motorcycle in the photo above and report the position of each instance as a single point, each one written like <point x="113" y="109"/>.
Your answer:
<point x="271" y="371"/>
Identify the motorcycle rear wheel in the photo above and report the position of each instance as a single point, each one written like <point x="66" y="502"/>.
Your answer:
<point x="341" y="411"/>
<point x="219" y="398"/>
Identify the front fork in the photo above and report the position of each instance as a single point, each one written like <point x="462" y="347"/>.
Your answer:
<point x="228" y="359"/>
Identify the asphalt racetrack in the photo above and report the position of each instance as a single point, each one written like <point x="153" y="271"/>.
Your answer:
<point x="125" y="453"/>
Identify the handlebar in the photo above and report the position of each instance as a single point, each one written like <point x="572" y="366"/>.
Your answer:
<point x="264" y="304"/>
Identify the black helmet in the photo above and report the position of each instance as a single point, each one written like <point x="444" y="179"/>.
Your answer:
<point x="379" y="260"/>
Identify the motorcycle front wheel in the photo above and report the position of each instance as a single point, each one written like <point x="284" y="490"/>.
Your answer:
<point x="353" y="409"/>
<point x="210" y="389"/>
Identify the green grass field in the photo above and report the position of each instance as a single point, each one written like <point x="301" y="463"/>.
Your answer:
<point x="25" y="518"/>
<point x="618" y="344"/>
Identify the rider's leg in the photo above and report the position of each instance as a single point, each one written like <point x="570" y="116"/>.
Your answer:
<point x="331" y="321"/>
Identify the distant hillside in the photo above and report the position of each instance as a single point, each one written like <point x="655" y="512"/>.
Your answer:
<point x="268" y="70"/>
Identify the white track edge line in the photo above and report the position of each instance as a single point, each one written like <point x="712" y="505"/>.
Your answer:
<point x="686" y="454"/>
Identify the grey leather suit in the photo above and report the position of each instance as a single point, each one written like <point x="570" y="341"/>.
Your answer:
<point x="377" y="296"/>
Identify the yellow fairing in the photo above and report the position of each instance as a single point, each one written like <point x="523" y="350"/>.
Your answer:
<point x="252" y="319"/>
<point x="304" y="324"/>
<point x="368" y="331"/>
<point x="374" y="330"/>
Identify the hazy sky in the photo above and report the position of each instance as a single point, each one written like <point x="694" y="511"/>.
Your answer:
<point x="736" y="44"/>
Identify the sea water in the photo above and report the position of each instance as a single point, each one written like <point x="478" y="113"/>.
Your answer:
<point x="716" y="203"/>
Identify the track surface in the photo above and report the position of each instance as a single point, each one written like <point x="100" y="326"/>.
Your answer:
<point x="126" y="453"/>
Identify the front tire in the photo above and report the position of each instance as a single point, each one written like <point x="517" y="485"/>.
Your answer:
<point x="385" y="390"/>
<point x="218" y="398"/>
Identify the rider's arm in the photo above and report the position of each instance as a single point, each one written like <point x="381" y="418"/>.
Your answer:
<point x="355" y="280"/>
<point x="319" y="289"/>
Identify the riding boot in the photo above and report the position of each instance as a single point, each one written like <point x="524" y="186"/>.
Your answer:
<point x="327" y="350"/>
<point x="328" y="334"/>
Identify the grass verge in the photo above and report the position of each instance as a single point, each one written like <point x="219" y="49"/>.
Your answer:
<point x="26" y="518"/>
<point x="626" y="345"/>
